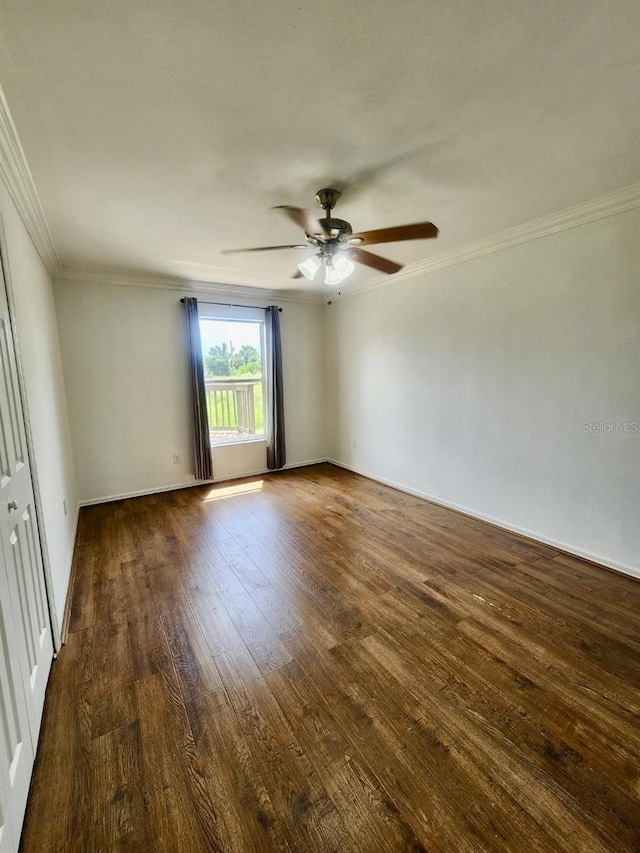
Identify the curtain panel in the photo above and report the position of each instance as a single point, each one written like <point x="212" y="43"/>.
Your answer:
<point x="200" y="420"/>
<point x="276" y="453"/>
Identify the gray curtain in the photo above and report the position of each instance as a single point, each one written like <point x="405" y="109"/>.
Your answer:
<point x="276" y="454"/>
<point x="201" y="437"/>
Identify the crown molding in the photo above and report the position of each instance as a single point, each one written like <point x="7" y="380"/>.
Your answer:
<point x="17" y="178"/>
<point x="627" y="198"/>
<point x="157" y="281"/>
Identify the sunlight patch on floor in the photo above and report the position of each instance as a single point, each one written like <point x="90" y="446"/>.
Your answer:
<point x="217" y="494"/>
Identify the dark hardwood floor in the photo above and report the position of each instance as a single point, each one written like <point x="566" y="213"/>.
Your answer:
<point x="315" y="662"/>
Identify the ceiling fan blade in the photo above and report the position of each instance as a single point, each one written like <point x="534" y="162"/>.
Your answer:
<point x="417" y="231"/>
<point x="375" y="261"/>
<point x="264" y="249"/>
<point x="304" y="218"/>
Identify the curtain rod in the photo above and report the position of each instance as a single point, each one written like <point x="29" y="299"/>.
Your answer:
<point x="232" y="305"/>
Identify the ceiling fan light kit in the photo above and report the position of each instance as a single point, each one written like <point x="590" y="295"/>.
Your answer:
<point x="337" y="247"/>
<point x="337" y="269"/>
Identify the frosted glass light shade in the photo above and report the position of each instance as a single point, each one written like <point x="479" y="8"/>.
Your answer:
<point x="343" y="266"/>
<point x="332" y="276"/>
<point x="338" y="269"/>
<point x="310" y="267"/>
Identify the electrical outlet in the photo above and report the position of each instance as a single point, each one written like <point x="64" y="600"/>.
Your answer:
<point x="64" y="507"/>
<point x="177" y="458"/>
<point x="354" y="445"/>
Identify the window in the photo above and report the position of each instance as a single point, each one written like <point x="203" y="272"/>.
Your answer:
<point x="233" y="347"/>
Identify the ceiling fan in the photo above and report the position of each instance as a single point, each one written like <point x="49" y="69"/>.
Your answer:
<point x="337" y="247"/>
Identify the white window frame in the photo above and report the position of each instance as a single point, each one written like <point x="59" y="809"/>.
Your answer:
<point x="237" y="314"/>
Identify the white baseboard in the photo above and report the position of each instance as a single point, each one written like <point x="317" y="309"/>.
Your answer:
<point x="176" y="486"/>
<point x="598" y="559"/>
<point x="259" y="472"/>
<point x="76" y="518"/>
<point x="63" y="621"/>
<point x="305" y="464"/>
<point x="141" y="492"/>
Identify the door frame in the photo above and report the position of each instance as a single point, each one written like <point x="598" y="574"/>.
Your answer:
<point x="5" y="274"/>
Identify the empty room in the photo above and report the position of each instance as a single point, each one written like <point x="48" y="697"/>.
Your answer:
<point x="320" y="426"/>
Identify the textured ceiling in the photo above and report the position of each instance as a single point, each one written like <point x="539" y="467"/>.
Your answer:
<point x="159" y="133"/>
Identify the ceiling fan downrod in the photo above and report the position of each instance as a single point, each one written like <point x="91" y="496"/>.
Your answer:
<point x="338" y="230"/>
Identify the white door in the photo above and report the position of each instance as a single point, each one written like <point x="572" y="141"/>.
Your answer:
<point x="26" y="646"/>
<point x="16" y="750"/>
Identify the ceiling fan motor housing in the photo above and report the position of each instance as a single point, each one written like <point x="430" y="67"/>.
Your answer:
<point x="331" y="226"/>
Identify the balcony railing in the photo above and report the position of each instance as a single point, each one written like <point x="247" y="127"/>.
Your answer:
<point x="231" y="406"/>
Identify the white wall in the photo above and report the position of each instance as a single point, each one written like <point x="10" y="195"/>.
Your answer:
<point x="39" y="349"/>
<point x="123" y="351"/>
<point x="471" y="385"/>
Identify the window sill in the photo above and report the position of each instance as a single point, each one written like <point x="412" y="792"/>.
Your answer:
<point x="238" y="439"/>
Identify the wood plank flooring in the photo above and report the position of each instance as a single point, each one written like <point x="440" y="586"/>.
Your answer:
<point x="315" y="662"/>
